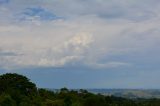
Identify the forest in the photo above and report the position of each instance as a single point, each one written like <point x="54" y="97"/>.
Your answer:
<point x="18" y="90"/>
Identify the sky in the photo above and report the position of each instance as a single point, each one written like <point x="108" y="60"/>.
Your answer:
<point x="82" y="43"/>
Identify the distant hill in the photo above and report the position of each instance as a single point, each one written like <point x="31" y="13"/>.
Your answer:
<point x="125" y="93"/>
<point x="129" y="93"/>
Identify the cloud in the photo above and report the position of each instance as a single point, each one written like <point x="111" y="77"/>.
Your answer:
<point x="79" y="42"/>
<point x="85" y="36"/>
<point x="109" y="10"/>
<point x="111" y="64"/>
<point x="124" y="9"/>
<point x="44" y="53"/>
<point x="7" y="54"/>
<point x="68" y="43"/>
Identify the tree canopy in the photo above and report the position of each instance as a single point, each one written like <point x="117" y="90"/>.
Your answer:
<point x="16" y="82"/>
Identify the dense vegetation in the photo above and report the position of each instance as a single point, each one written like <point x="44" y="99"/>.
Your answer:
<point x="17" y="90"/>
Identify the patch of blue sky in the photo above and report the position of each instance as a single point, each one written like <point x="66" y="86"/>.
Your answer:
<point x="38" y="13"/>
<point x="4" y="1"/>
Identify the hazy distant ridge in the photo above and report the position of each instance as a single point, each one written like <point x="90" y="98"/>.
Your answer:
<point x="126" y="93"/>
<point x="129" y="93"/>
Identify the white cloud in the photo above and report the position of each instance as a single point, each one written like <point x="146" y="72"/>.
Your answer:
<point x="43" y="51"/>
<point x="111" y="64"/>
<point x="79" y="42"/>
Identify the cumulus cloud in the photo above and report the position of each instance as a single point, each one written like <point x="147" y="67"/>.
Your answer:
<point x="43" y="52"/>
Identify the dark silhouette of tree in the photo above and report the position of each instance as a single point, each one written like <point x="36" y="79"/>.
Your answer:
<point x="20" y="83"/>
<point x="64" y="90"/>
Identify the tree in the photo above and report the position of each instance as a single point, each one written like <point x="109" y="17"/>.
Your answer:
<point x="64" y="90"/>
<point x="67" y="101"/>
<point x="14" y="82"/>
<point x="6" y="100"/>
<point x="17" y="86"/>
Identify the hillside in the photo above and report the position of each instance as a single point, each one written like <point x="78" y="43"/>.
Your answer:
<point x="129" y="93"/>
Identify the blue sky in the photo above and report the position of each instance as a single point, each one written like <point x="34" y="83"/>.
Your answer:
<point x="82" y="43"/>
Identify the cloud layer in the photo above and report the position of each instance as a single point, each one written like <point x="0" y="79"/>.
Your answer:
<point x="95" y="34"/>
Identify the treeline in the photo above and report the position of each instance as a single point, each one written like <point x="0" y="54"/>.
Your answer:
<point x="17" y="90"/>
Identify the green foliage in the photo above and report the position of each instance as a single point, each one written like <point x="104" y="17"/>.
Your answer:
<point x="58" y="102"/>
<point x="21" y="84"/>
<point x="17" y="90"/>
<point x="6" y="100"/>
<point x="46" y="94"/>
<point x="64" y="90"/>
<point x="17" y="87"/>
